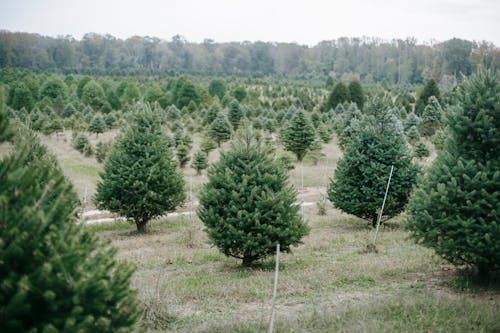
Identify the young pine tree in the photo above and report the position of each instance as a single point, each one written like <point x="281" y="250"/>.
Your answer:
<point x="235" y="114"/>
<point x="220" y="129"/>
<point x="360" y="180"/>
<point x="97" y="125"/>
<point x="183" y="155"/>
<point x="430" y="89"/>
<point x="456" y="210"/>
<point x="258" y="210"/>
<point x="299" y="135"/>
<point x="140" y="179"/>
<point x="56" y="277"/>
<point x="200" y="162"/>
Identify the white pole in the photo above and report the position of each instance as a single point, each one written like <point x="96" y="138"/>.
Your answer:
<point x="275" y="289"/>
<point x="302" y="187"/>
<point x="383" y="204"/>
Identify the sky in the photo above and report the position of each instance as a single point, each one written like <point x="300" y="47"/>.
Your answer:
<point x="301" y="21"/>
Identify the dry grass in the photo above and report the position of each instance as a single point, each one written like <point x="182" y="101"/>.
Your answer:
<point x="327" y="284"/>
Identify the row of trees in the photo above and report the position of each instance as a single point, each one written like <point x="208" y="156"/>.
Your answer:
<point x="369" y="59"/>
<point x="259" y="209"/>
<point x="58" y="277"/>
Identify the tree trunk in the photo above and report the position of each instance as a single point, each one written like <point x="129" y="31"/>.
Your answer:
<point x="374" y="220"/>
<point x="247" y="260"/>
<point x="141" y="226"/>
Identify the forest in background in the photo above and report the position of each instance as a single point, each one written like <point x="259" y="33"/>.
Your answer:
<point x="368" y="59"/>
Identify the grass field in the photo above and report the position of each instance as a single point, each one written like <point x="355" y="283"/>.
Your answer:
<point x="328" y="284"/>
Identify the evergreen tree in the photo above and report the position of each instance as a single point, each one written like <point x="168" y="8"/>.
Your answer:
<point x="456" y="209"/>
<point x="207" y="145"/>
<point x="431" y="117"/>
<point x="53" y="88"/>
<point x="80" y="141"/>
<point x="339" y="95"/>
<point x="235" y="114"/>
<point x="97" y="125"/>
<point x="356" y="94"/>
<point x="68" y="110"/>
<point x="212" y="113"/>
<point x="153" y="94"/>
<point x="22" y="98"/>
<point x="299" y="136"/>
<point x="81" y="84"/>
<point x="359" y="182"/>
<point x="239" y="93"/>
<point x="56" y="276"/>
<point x="430" y="89"/>
<point x="413" y="134"/>
<point x="140" y="179"/>
<point x="200" y="162"/>
<point x="217" y="88"/>
<point x="258" y="210"/>
<point x="421" y="150"/>
<point x="131" y="93"/>
<point x="93" y="95"/>
<point x="100" y="152"/>
<point x="412" y="120"/>
<point x="183" y="155"/>
<point x="220" y="129"/>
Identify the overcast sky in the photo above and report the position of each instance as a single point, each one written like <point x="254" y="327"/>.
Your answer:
<point x="304" y="21"/>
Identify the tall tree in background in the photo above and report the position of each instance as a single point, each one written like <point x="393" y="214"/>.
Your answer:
<point x="140" y="179"/>
<point x="339" y="95"/>
<point x="430" y="89"/>
<point x="456" y="55"/>
<point x="56" y="276"/>
<point x="52" y="89"/>
<point x="93" y="95"/>
<point x="258" y="210"/>
<point x="299" y="135"/>
<point x="456" y="210"/>
<point x="217" y="88"/>
<point x="356" y="94"/>
<point x="360" y="180"/>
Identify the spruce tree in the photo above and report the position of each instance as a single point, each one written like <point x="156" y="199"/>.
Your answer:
<point x="93" y="95"/>
<point x="339" y="95"/>
<point x="56" y="277"/>
<point x="431" y="117"/>
<point x="430" y="89"/>
<point x="356" y="94"/>
<point x="140" y="179"/>
<point x="183" y="155"/>
<point x="258" y="210"/>
<point x="21" y="97"/>
<point x="220" y="129"/>
<point x="100" y="152"/>
<point x="456" y="210"/>
<point x="200" y="162"/>
<point x="217" y="88"/>
<point x="207" y="145"/>
<point x="360" y="180"/>
<point x="299" y="135"/>
<point x="235" y="114"/>
<point x="97" y="125"/>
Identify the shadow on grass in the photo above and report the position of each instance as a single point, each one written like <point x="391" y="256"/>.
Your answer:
<point x="468" y="280"/>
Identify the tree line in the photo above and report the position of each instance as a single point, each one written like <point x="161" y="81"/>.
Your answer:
<point x="367" y="59"/>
